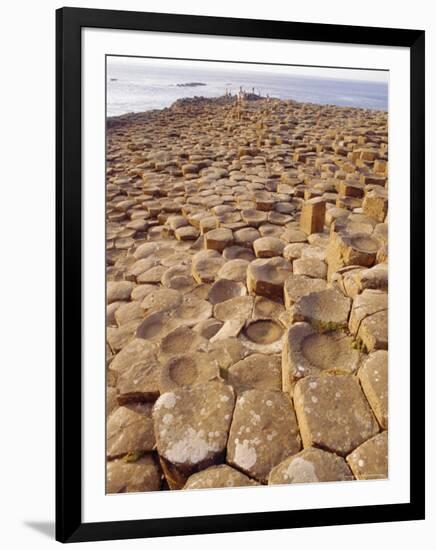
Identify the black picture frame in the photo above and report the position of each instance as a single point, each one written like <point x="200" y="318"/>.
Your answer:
<point x="69" y="525"/>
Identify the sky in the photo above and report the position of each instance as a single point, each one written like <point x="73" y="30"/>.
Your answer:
<point x="194" y="65"/>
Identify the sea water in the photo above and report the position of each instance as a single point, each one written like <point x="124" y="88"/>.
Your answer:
<point x="135" y="85"/>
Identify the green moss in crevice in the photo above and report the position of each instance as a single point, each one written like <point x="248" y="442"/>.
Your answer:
<point x="359" y="346"/>
<point x="133" y="456"/>
<point x="327" y="326"/>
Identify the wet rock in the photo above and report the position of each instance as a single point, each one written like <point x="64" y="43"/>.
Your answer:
<point x="373" y="376"/>
<point x="264" y="432"/>
<point x="217" y="477"/>
<point x="310" y="466"/>
<point x="137" y="476"/>
<point x="192" y="426"/>
<point x="370" y="460"/>
<point x="332" y="427"/>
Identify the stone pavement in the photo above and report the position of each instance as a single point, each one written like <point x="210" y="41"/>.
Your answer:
<point x="246" y="295"/>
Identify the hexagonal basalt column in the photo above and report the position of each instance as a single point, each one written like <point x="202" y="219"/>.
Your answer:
<point x="264" y="432"/>
<point x="191" y="427"/>
<point x="310" y="466"/>
<point x="333" y="413"/>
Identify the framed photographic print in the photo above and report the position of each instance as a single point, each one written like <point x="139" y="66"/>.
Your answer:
<point x="240" y="253"/>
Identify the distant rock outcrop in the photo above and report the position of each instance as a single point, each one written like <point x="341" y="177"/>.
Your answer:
<point x="191" y="84"/>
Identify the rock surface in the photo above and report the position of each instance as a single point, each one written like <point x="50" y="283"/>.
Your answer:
<point x="192" y="426"/>
<point x="256" y="372"/>
<point x="325" y="310"/>
<point x="267" y="277"/>
<point x="297" y="286"/>
<point x="370" y="460"/>
<point x="247" y="251"/>
<point x="310" y="466"/>
<point x="307" y="352"/>
<point x="373" y="376"/>
<point x="133" y="477"/>
<point x="129" y="431"/>
<point x="313" y="216"/>
<point x="264" y="432"/>
<point x="369" y="319"/>
<point x="323" y="405"/>
<point x="217" y="477"/>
